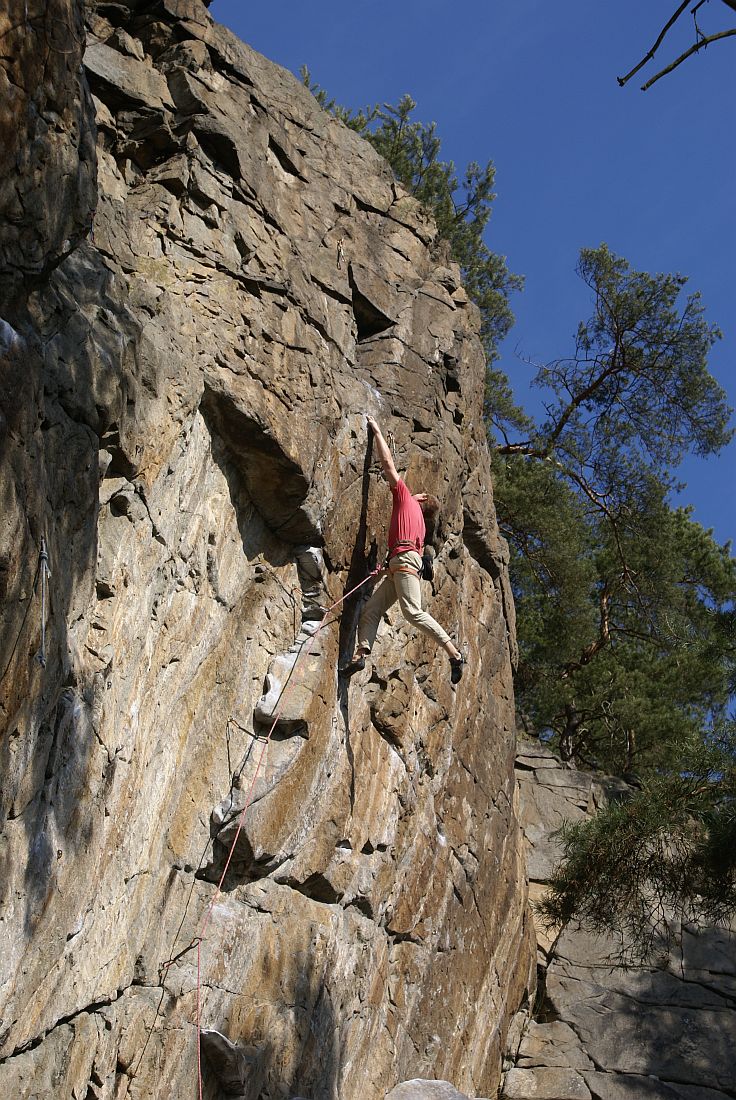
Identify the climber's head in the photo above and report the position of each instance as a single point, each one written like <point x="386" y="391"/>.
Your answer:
<point x="430" y="505"/>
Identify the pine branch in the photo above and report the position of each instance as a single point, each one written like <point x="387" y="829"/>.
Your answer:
<point x="525" y="448"/>
<point x="604" y="637"/>
<point x="614" y="367"/>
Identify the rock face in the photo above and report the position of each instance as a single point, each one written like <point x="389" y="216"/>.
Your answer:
<point x="185" y="381"/>
<point x="658" y="1032"/>
<point x="47" y="185"/>
<point x="425" y="1090"/>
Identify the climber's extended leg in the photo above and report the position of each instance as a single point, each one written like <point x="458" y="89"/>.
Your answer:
<point x="382" y="597"/>
<point x="409" y="595"/>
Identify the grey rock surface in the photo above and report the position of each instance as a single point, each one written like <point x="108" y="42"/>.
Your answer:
<point x="545" y="1083"/>
<point x="425" y="1090"/>
<point x="625" y="1086"/>
<point x="655" y="1031"/>
<point x="183" y="395"/>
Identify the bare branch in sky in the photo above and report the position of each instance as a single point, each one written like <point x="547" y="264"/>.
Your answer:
<point x="701" y="42"/>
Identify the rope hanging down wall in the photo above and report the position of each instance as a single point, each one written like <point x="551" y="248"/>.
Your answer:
<point x="43" y="565"/>
<point x="200" y="937"/>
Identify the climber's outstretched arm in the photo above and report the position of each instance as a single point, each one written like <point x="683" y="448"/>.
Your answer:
<point x="384" y="454"/>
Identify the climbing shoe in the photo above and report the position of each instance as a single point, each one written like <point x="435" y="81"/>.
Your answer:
<point x="456" y="669"/>
<point x="356" y="665"/>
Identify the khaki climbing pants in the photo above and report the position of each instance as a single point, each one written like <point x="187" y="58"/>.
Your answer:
<point x="404" y="587"/>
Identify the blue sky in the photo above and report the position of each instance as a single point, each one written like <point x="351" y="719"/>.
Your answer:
<point x="532" y="86"/>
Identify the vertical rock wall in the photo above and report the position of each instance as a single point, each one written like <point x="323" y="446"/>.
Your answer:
<point x="184" y="389"/>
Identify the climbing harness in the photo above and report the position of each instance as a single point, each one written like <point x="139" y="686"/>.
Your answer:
<point x="401" y="548"/>
<point x="200" y="937"/>
<point x="45" y="575"/>
<point x="426" y="571"/>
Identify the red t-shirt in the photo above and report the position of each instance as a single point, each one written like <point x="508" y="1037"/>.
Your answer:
<point x="407" y="521"/>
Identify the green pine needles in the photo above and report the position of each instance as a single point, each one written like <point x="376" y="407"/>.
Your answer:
<point x="667" y="855"/>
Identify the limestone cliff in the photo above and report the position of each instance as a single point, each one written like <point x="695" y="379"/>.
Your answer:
<point x="207" y="282"/>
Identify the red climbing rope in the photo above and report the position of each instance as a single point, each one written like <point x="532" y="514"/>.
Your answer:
<point x="208" y="913"/>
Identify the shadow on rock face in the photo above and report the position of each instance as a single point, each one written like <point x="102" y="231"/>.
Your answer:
<point x="293" y="680"/>
<point x="52" y="166"/>
<point x="63" y="387"/>
<point x="274" y="481"/>
<point x="237" y="1067"/>
<point x="272" y="1052"/>
<point x="362" y="561"/>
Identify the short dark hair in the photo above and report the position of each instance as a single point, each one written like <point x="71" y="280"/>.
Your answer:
<point x="430" y="507"/>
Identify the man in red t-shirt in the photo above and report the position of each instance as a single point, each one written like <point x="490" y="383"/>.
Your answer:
<point x="406" y="535"/>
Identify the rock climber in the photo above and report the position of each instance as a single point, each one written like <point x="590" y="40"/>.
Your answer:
<point x="401" y="581"/>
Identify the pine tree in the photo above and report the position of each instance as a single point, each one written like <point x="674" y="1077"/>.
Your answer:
<point x="618" y="594"/>
<point x="666" y="855"/>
